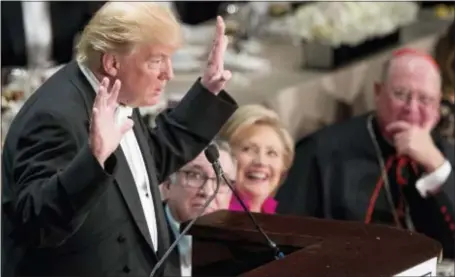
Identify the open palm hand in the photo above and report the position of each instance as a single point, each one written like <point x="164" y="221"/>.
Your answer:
<point x="105" y="133"/>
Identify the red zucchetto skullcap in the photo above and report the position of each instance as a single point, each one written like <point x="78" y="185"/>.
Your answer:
<point x="410" y="51"/>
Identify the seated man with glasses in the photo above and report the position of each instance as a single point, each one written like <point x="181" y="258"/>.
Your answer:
<point x="186" y="192"/>
<point x="385" y="167"/>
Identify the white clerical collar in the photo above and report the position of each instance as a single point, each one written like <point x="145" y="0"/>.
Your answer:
<point x="122" y="111"/>
<point x="185" y="242"/>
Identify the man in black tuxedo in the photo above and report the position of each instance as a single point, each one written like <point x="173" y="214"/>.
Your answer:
<point x="186" y="191"/>
<point x="80" y="170"/>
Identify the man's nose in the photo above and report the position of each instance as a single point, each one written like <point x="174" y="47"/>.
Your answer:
<point x="208" y="188"/>
<point x="412" y="106"/>
<point x="166" y="71"/>
<point x="169" y="71"/>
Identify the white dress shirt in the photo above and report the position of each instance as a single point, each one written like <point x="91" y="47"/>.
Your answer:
<point x="135" y="161"/>
<point x="184" y="245"/>
<point x="434" y="180"/>
<point x="38" y="32"/>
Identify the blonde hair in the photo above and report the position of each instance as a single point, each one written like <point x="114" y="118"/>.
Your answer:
<point x="249" y="115"/>
<point x="118" y="27"/>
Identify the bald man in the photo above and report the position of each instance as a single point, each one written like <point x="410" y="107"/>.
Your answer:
<point x="385" y="167"/>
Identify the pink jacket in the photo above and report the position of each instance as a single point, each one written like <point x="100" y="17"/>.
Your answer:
<point x="268" y="207"/>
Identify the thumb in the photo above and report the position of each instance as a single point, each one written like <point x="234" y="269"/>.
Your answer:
<point x="216" y="77"/>
<point x="126" y="126"/>
<point x="227" y="75"/>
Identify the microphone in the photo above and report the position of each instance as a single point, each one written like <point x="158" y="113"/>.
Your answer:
<point x="187" y="228"/>
<point x="212" y="154"/>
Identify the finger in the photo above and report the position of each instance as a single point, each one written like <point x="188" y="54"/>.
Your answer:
<point x="401" y="142"/>
<point x="99" y="92"/>
<point x="400" y="138"/>
<point x="126" y="126"/>
<point x="397" y="127"/>
<point x="220" y="78"/>
<point x="102" y="90"/>
<point x="399" y="146"/>
<point x="220" y="52"/>
<point x="102" y="94"/>
<point x="220" y="27"/>
<point x="216" y="77"/>
<point x="113" y="95"/>
<point x="227" y="75"/>
<point x="213" y="54"/>
<point x="94" y="118"/>
<point x="214" y="57"/>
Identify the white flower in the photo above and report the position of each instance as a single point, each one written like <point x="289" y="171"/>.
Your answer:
<point x="351" y="23"/>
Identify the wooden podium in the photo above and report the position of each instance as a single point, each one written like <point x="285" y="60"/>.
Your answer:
<point x="227" y="244"/>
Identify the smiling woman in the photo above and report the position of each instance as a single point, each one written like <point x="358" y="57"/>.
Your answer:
<point x="264" y="150"/>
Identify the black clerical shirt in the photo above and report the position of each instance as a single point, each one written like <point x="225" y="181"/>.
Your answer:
<point x="336" y="175"/>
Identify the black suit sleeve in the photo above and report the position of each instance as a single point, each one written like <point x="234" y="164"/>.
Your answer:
<point x="434" y="215"/>
<point x="301" y="193"/>
<point x="442" y="207"/>
<point x="183" y="132"/>
<point x="54" y="181"/>
<point x="444" y="199"/>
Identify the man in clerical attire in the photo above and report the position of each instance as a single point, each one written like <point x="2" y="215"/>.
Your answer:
<point x="384" y="167"/>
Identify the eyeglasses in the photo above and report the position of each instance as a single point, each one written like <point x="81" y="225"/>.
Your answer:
<point x="406" y="96"/>
<point x="196" y="180"/>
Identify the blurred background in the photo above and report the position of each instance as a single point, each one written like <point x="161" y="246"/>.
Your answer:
<point x="314" y="63"/>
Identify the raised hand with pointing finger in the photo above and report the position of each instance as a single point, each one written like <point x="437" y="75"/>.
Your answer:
<point x="105" y="133"/>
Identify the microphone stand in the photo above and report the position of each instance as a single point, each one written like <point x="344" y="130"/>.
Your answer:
<point x="187" y="228"/>
<point x="278" y="254"/>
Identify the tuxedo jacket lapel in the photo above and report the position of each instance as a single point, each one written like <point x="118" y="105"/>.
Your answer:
<point x="140" y="132"/>
<point x="125" y="180"/>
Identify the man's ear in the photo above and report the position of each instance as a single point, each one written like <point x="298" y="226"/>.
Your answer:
<point x="110" y="64"/>
<point x="164" y="189"/>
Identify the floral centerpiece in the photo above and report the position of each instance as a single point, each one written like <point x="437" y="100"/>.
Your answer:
<point x="351" y="24"/>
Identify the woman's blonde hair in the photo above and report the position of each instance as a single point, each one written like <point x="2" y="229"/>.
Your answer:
<point x="118" y="27"/>
<point x="249" y="115"/>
